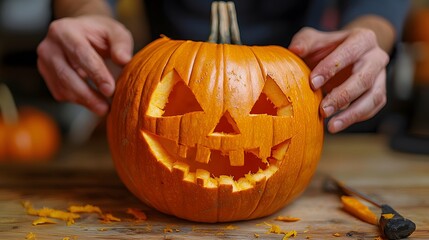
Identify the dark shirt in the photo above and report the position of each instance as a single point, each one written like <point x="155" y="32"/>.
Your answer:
<point x="264" y="22"/>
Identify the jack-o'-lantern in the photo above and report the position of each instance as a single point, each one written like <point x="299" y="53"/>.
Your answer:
<point x="215" y="132"/>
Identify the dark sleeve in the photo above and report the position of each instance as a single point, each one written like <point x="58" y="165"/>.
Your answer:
<point x="395" y="11"/>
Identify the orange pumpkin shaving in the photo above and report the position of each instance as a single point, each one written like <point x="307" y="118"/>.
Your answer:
<point x="277" y="230"/>
<point x="289" y="234"/>
<point x="30" y="236"/>
<point x="85" y="209"/>
<point x="107" y="218"/>
<point x="70" y="238"/>
<point x="287" y="219"/>
<point x="359" y="210"/>
<point x="43" y="220"/>
<point x="231" y="227"/>
<point x="137" y="214"/>
<point x="52" y="213"/>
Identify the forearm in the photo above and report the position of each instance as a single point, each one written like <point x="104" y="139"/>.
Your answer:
<point x="383" y="29"/>
<point x="73" y="8"/>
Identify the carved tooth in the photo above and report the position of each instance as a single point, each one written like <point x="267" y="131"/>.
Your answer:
<point x="203" y="154"/>
<point x="190" y="177"/>
<point x="180" y="169"/>
<point x="236" y="158"/>
<point x="182" y="150"/>
<point x="227" y="184"/>
<point x="202" y="177"/>
<point x="244" y="183"/>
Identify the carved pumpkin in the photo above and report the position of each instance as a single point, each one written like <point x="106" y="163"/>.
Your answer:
<point x="26" y="134"/>
<point x="215" y="132"/>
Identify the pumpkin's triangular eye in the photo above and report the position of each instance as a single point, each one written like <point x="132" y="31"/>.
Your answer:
<point x="172" y="97"/>
<point x="272" y="101"/>
<point x="264" y="106"/>
<point x="181" y="101"/>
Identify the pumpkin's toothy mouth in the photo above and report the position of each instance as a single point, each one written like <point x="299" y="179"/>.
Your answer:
<point x="220" y="168"/>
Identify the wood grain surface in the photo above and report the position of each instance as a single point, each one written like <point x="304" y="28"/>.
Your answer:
<point x="85" y="175"/>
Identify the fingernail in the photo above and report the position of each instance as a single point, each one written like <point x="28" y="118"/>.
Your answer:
<point x="338" y="125"/>
<point x="328" y="110"/>
<point x="106" y="89"/>
<point x="317" y="81"/>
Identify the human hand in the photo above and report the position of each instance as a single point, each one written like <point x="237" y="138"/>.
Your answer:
<point x="71" y="59"/>
<point x="363" y="92"/>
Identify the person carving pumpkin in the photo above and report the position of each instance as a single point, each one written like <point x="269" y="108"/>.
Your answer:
<point x="85" y="33"/>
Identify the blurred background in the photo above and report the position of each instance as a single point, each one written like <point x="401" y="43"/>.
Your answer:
<point x="23" y="24"/>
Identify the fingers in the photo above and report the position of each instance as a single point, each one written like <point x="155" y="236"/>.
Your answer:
<point x="361" y="96"/>
<point x="363" y="93"/>
<point x="64" y="82"/>
<point x="78" y="50"/>
<point x="98" y="37"/>
<point x="357" y="43"/>
<point x="364" y="75"/>
<point x="363" y="108"/>
<point x="73" y="52"/>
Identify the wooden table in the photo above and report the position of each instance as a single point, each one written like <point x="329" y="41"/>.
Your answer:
<point x="85" y="175"/>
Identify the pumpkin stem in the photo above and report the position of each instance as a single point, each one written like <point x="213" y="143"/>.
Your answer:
<point x="8" y="108"/>
<point x="214" y="23"/>
<point x="224" y="24"/>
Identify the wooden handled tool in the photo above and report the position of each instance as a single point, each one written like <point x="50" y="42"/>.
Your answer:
<point x="392" y="224"/>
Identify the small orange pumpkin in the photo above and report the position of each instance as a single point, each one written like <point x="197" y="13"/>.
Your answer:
<point x="28" y="135"/>
<point x="215" y="132"/>
<point x="416" y="25"/>
<point x="416" y="32"/>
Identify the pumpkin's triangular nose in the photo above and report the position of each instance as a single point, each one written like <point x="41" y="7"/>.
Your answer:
<point x="226" y="125"/>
